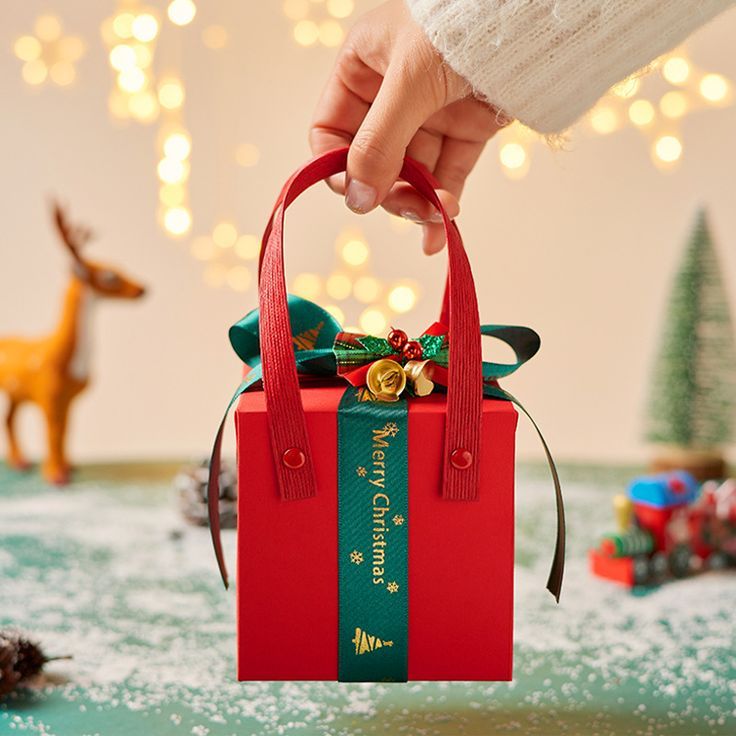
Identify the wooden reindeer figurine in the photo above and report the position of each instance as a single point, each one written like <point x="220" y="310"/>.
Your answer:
<point x="53" y="370"/>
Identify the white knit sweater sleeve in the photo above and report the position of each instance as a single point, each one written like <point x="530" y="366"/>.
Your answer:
<point x="545" y="62"/>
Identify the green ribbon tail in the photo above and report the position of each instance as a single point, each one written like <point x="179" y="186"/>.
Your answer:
<point x="373" y="554"/>
<point x="556" y="573"/>
<point x="213" y="480"/>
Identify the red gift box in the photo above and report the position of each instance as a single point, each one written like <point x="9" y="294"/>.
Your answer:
<point x="460" y="564"/>
<point x="375" y="527"/>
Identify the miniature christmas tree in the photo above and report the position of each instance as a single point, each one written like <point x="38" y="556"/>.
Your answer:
<point x="693" y="396"/>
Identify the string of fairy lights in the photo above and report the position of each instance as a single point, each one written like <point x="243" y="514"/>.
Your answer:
<point x="654" y="106"/>
<point x="143" y="92"/>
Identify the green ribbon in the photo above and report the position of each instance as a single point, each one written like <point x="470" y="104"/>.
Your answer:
<point x="373" y="552"/>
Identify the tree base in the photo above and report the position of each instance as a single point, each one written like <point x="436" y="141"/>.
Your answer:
<point x="700" y="464"/>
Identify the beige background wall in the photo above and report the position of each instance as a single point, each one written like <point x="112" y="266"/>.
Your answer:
<point x="582" y="249"/>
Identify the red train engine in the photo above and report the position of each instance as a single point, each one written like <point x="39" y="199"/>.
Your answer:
<point x="669" y="526"/>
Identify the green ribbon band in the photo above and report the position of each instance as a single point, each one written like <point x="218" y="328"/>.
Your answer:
<point x="373" y="554"/>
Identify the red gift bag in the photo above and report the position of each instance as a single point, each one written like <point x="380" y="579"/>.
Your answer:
<point x="375" y="525"/>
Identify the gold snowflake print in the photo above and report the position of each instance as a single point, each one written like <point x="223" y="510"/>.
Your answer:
<point x="393" y="587"/>
<point x="361" y="471"/>
<point x="398" y="520"/>
<point x="356" y="557"/>
<point x="391" y="428"/>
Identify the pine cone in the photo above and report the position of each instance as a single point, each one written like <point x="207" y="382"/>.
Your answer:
<point x="30" y="659"/>
<point x="9" y="678"/>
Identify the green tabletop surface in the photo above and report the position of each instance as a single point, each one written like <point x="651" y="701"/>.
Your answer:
<point x="107" y="570"/>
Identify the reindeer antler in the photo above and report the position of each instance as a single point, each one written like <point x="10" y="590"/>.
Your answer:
<point x="73" y="236"/>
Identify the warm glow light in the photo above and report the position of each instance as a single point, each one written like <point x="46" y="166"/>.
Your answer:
<point x="27" y="48"/>
<point x="171" y="94"/>
<point x="339" y="286"/>
<point x="215" y="274"/>
<point x="373" y="321"/>
<point x="673" y="104"/>
<point x="713" y="87"/>
<point x="225" y="234"/>
<point x="247" y="247"/>
<point x="143" y="55"/>
<point x="215" y="37"/>
<point x="48" y="27"/>
<point x="145" y="27"/>
<point x="131" y="80"/>
<point x="181" y="12"/>
<point x="676" y="70"/>
<point x="367" y="289"/>
<point x="122" y="25"/>
<point x="340" y="8"/>
<point x="628" y="88"/>
<point x="307" y="285"/>
<point x="330" y="33"/>
<point x="603" y="120"/>
<point x="171" y="171"/>
<point x="203" y="249"/>
<point x="296" y="9"/>
<point x="336" y="312"/>
<point x="512" y="155"/>
<point x="62" y="73"/>
<point x="172" y="195"/>
<point x="402" y="299"/>
<point x="355" y="252"/>
<point x="247" y="154"/>
<point x="143" y="106"/>
<point x="34" y="72"/>
<point x="122" y="57"/>
<point x="238" y="278"/>
<point x="641" y="112"/>
<point x="668" y="148"/>
<point x="177" y="220"/>
<point x="71" y="48"/>
<point x="177" y="146"/>
<point x="306" y="32"/>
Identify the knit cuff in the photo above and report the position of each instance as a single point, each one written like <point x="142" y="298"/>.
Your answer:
<point x="545" y="62"/>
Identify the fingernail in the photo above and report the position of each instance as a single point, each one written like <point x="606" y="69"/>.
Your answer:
<point x="436" y="216"/>
<point x="360" y="197"/>
<point x="412" y="216"/>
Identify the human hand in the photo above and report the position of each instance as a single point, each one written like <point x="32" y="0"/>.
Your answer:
<point x="391" y="94"/>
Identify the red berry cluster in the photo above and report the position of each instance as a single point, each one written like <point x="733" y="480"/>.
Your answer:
<point x="409" y="349"/>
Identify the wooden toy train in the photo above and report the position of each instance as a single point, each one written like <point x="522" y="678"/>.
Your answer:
<point x="669" y="527"/>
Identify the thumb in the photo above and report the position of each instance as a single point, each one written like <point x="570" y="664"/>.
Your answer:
<point x="404" y="102"/>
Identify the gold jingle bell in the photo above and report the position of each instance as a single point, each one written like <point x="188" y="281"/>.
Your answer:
<point x="386" y="379"/>
<point x="419" y="374"/>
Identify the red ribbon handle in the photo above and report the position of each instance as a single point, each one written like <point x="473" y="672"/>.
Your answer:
<point x="289" y="439"/>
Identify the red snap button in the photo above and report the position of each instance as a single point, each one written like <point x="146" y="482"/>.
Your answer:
<point x="461" y="458"/>
<point x="293" y="458"/>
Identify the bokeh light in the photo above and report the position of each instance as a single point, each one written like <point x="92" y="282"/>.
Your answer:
<point x="355" y="252"/>
<point x="641" y="112"/>
<point x="373" y="321"/>
<point x="171" y="93"/>
<point x="247" y="247"/>
<point x="339" y="286"/>
<point x="181" y="12"/>
<point x="225" y="234"/>
<point x="402" y="298"/>
<point x="668" y="148"/>
<point x="714" y="87"/>
<point x="177" y="220"/>
<point x="676" y="70"/>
